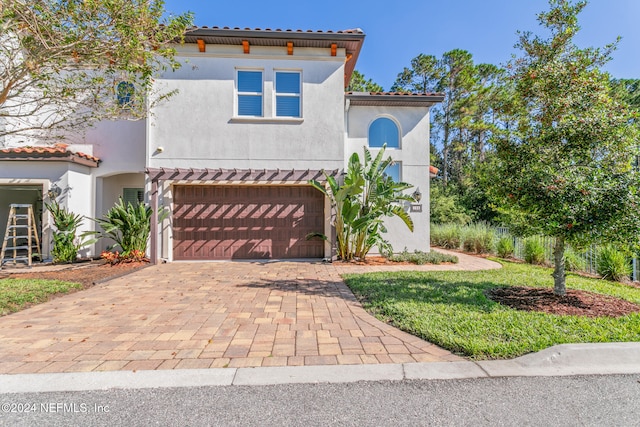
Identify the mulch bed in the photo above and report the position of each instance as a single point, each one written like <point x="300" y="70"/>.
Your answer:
<point x="87" y="273"/>
<point x="374" y="260"/>
<point x="574" y="303"/>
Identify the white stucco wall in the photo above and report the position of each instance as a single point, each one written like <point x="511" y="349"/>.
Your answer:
<point x="198" y="127"/>
<point x="119" y="144"/>
<point x="75" y="181"/>
<point x="414" y="157"/>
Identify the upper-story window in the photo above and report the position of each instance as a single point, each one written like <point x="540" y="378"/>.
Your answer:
<point x="124" y="94"/>
<point x="249" y="93"/>
<point x="384" y="131"/>
<point x="287" y="93"/>
<point x="394" y="171"/>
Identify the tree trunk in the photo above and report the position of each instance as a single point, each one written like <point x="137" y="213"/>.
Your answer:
<point x="445" y="147"/>
<point x="445" y="164"/>
<point x="559" y="277"/>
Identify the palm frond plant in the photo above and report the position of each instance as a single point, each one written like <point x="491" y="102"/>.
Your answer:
<point x="129" y="226"/>
<point x="380" y="198"/>
<point x="345" y="205"/>
<point x="66" y="244"/>
<point x="362" y="202"/>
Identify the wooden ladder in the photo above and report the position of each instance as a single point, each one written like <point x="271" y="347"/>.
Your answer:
<point x="22" y="233"/>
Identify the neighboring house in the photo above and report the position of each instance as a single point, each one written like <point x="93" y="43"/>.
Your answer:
<point x="257" y="114"/>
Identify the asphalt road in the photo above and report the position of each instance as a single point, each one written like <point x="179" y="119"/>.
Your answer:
<point x="537" y="401"/>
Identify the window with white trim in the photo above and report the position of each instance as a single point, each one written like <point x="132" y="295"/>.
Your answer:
<point x="384" y="131"/>
<point x="394" y="171"/>
<point x="249" y="87"/>
<point x="287" y="87"/>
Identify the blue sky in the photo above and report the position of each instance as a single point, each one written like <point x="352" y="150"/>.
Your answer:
<point x="398" y="31"/>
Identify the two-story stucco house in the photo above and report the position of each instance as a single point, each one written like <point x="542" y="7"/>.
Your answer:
<point x="257" y="113"/>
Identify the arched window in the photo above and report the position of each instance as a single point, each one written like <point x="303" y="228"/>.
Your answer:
<point x="384" y="131"/>
<point x="124" y="92"/>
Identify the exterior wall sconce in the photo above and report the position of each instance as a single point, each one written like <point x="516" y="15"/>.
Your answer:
<point x="159" y="149"/>
<point x="54" y="192"/>
<point x="417" y="195"/>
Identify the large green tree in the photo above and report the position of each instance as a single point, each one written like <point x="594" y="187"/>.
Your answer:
<point x="564" y="168"/>
<point x="422" y="77"/>
<point x="458" y="81"/>
<point x="67" y="63"/>
<point x="628" y="90"/>
<point x="359" y="83"/>
<point x="464" y="122"/>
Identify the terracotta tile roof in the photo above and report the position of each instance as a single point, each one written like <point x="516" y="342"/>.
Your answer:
<point x="394" y="99"/>
<point x="399" y="94"/>
<point x="277" y="30"/>
<point x="57" y="151"/>
<point x="433" y="171"/>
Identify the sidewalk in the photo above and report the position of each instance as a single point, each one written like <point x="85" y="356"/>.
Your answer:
<point x="561" y="360"/>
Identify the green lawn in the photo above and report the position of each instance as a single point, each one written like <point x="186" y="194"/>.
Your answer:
<point x="16" y="294"/>
<point x="451" y="310"/>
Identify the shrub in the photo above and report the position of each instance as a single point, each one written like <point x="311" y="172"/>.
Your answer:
<point x="446" y="208"/>
<point x="115" y="257"/>
<point x="534" y="250"/>
<point x="504" y="247"/>
<point x="612" y="264"/>
<point x="446" y="236"/>
<point x="573" y="261"/>
<point x="478" y="238"/>
<point x="128" y="225"/>
<point x="65" y="242"/>
<point x="420" y="258"/>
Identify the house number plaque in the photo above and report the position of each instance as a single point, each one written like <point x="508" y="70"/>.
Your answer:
<point x="416" y="208"/>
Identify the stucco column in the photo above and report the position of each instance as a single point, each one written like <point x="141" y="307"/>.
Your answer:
<point x="154" y="222"/>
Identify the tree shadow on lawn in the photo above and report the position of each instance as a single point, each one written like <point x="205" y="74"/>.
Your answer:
<point x="364" y="289"/>
<point x="425" y="290"/>
<point x="487" y="296"/>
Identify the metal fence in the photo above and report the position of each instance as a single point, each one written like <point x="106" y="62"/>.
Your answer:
<point x="589" y="256"/>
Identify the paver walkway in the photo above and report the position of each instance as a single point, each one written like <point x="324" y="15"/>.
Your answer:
<point x="218" y="314"/>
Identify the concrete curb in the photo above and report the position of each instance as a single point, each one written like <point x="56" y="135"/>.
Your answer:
<point x="318" y="374"/>
<point x="560" y="360"/>
<point x="571" y="359"/>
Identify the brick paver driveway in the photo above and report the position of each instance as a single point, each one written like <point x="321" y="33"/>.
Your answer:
<point x="201" y="315"/>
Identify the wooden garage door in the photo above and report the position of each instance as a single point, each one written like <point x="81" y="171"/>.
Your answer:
<point x="252" y="222"/>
